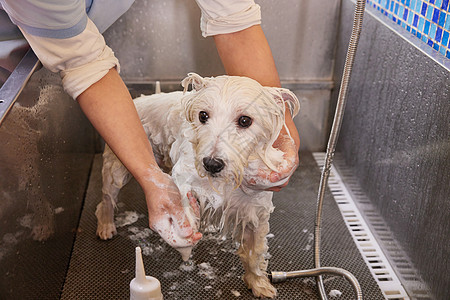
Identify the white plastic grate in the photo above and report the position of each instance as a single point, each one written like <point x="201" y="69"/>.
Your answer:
<point x="377" y="262"/>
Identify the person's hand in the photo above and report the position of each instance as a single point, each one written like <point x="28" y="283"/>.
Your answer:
<point x="288" y="143"/>
<point x="166" y="213"/>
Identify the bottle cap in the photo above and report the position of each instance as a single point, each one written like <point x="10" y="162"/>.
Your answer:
<point x="144" y="287"/>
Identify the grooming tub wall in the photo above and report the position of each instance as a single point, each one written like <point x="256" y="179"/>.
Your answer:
<point x="47" y="147"/>
<point x="395" y="142"/>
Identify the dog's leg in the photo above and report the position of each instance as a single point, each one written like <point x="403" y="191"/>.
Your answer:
<point x="252" y="251"/>
<point x="115" y="176"/>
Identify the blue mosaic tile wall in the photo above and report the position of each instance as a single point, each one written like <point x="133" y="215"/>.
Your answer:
<point x="429" y="20"/>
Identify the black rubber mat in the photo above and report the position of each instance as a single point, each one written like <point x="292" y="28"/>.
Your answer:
<point x="103" y="269"/>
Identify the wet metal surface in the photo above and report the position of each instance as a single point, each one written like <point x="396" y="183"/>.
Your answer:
<point x="46" y="152"/>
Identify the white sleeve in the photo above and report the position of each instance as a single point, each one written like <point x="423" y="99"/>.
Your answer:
<point x="227" y="16"/>
<point x="81" y="60"/>
<point x="105" y="12"/>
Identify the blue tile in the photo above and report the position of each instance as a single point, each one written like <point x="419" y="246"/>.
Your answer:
<point x="444" y="5"/>
<point x="435" y="15"/>
<point x="422" y="18"/>
<point x="410" y="17"/>
<point x="438" y="34"/>
<point x="448" y="54"/>
<point x="441" y="18"/>
<point x="424" y="9"/>
<point x="416" y="19"/>
<point x="426" y="29"/>
<point x="429" y="12"/>
<point x="445" y="37"/>
<point x="421" y="23"/>
<point x="418" y="6"/>
<point x="433" y="29"/>
<point x="447" y="23"/>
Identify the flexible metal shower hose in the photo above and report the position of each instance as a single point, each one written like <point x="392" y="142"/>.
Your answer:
<point x="331" y="147"/>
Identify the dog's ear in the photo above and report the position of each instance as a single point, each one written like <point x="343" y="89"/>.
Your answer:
<point x="195" y="80"/>
<point x="282" y="96"/>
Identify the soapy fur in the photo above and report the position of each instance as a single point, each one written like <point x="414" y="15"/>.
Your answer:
<point x="228" y="200"/>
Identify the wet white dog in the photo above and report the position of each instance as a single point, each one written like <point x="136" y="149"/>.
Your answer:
<point x="212" y="140"/>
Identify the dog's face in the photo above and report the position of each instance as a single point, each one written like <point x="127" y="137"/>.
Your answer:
<point x="233" y="118"/>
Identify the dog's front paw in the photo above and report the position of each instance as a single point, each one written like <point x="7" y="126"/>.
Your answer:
<point x="260" y="285"/>
<point x="106" y="231"/>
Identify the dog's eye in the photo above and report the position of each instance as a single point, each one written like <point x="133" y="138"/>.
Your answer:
<point x="203" y="117"/>
<point x="245" y="121"/>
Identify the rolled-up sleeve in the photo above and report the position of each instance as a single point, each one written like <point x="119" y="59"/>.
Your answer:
<point x="65" y="38"/>
<point x="227" y="16"/>
<point x="81" y="60"/>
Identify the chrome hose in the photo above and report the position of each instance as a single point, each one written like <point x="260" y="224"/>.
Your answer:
<point x="331" y="147"/>
<point x="334" y="134"/>
<point x="283" y="276"/>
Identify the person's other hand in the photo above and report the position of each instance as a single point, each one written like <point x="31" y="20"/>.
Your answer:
<point x="166" y="213"/>
<point x="289" y="144"/>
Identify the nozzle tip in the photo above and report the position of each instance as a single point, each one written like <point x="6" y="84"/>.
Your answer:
<point x="276" y="276"/>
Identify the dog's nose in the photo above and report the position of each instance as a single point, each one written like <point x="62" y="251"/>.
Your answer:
<point x="213" y="165"/>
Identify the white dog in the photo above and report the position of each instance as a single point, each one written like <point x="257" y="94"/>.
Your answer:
<point x="213" y="140"/>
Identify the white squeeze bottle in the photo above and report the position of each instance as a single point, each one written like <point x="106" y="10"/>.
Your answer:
<point x="144" y="287"/>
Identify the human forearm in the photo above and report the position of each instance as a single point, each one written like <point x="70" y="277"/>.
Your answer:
<point x="109" y="107"/>
<point x="247" y="53"/>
